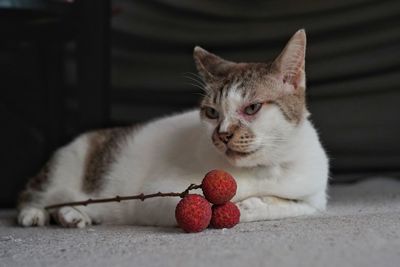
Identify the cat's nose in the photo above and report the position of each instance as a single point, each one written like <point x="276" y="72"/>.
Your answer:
<point x="225" y="137"/>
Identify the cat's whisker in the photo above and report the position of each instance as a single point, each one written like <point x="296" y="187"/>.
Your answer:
<point x="200" y="94"/>
<point x="205" y="93"/>
<point x="273" y="138"/>
<point x="270" y="143"/>
<point x="195" y="80"/>
<point x="195" y="85"/>
<point x="199" y="85"/>
<point x="193" y="74"/>
<point x="266" y="139"/>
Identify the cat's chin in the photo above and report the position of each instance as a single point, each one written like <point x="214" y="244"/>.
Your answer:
<point x="230" y="153"/>
<point x="242" y="159"/>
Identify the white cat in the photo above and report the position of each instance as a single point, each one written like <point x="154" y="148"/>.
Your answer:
<point x="252" y="122"/>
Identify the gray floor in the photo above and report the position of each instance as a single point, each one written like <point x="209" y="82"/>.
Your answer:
<point x="360" y="228"/>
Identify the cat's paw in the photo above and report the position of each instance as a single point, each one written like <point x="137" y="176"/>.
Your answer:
<point x="249" y="209"/>
<point x="31" y="216"/>
<point x="72" y="217"/>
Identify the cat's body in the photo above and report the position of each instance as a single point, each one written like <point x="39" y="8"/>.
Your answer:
<point x="281" y="174"/>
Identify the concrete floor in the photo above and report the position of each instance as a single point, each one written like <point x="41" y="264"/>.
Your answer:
<point x="360" y="228"/>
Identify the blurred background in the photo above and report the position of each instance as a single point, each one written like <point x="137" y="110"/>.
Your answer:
<point x="70" y="66"/>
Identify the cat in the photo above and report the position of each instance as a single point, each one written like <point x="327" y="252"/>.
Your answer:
<point x="252" y="122"/>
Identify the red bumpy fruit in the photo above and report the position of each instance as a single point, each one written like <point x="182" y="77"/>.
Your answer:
<point x="225" y="216"/>
<point x="218" y="187"/>
<point x="193" y="213"/>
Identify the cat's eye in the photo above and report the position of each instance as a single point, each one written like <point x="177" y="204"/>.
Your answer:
<point x="211" y="113"/>
<point x="252" y="109"/>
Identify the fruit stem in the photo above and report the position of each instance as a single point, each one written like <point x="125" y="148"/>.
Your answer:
<point x="141" y="197"/>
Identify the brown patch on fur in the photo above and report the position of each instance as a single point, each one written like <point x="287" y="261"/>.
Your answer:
<point x="291" y="101"/>
<point x="38" y="182"/>
<point x="293" y="106"/>
<point x="210" y="66"/>
<point x="103" y="148"/>
<point x="24" y="197"/>
<point x="35" y="184"/>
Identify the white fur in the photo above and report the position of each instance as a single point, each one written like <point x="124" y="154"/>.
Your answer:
<point x="31" y="216"/>
<point x="168" y="154"/>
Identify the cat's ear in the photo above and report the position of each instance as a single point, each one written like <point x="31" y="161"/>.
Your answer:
<point x="211" y="67"/>
<point x="290" y="63"/>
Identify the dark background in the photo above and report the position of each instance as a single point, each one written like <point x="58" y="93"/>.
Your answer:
<point x="70" y="66"/>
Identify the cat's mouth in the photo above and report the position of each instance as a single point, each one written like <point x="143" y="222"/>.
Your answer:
<point x="234" y="153"/>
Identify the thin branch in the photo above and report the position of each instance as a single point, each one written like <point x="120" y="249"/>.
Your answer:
<point x="141" y="197"/>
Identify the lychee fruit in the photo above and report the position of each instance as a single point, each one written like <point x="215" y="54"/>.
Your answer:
<point x="218" y="186"/>
<point x="225" y="216"/>
<point x="193" y="213"/>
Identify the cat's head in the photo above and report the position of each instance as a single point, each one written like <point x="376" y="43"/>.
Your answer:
<point x="252" y="109"/>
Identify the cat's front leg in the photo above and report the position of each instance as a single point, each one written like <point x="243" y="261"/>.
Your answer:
<point x="272" y="208"/>
<point x="72" y="217"/>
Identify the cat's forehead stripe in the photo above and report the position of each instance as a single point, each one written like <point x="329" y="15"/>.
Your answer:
<point x="224" y="91"/>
